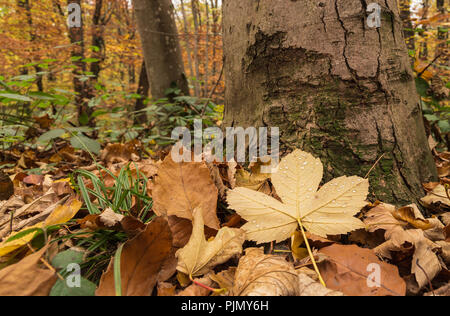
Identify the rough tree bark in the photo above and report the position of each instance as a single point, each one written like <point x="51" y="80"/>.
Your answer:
<point x="161" y="46"/>
<point x="334" y="87"/>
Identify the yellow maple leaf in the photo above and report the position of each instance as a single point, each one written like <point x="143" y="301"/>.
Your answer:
<point x="329" y="211"/>
<point x="199" y="256"/>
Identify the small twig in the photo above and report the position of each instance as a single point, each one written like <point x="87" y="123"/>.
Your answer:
<point x="426" y="275"/>
<point x="271" y="248"/>
<point x="373" y="167"/>
<point x="45" y="262"/>
<point x="212" y="91"/>
<point x="429" y="65"/>
<point x="11" y="222"/>
<point x="205" y="286"/>
<point x="446" y="186"/>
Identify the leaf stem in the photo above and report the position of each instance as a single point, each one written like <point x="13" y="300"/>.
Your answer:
<point x="316" y="268"/>
<point x="217" y="291"/>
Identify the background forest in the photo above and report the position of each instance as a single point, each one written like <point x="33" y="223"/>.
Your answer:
<point x="86" y="179"/>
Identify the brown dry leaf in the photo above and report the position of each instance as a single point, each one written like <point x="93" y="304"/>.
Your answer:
<point x="6" y="187"/>
<point x="119" y="153"/>
<point x="34" y="179"/>
<point x="253" y="180"/>
<point x="199" y="256"/>
<point x="425" y="263"/>
<point x="329" y="211"/>
<point x="424" y="253"/>
<point x="231" y="173"/>
<point x="310" y="287"/>
<point x="27" y="277"/>
<point x="437" y="195"/>
<point x="317" y="241"/>
<point x="348" y="269"/>
<point x="445" y="217"/>
<point x="195" y="290"/>
<point x="445" y="251"/>
<point x="45" y="122"/>
<point x="142" y="260"/>
<point x="217" y="178"/>
<point x="447" y="233"/>
<point x="380" y="217"/>
<point x="399" y="239"/>
<point x="225" y="279"/>
<point x="166" y="289"/>
<point x="442" y="291"/>
<point x="110" y="218"/>
<point x="408" y="215"/>
<point x="180" y="188"/>
<point x="264" y="275"/>
<point x="387" y="217"/>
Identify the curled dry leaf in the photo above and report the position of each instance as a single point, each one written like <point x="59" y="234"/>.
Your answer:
<point x="408" y="215"/>
<point x="141" y="262"/>
<point x="110" y="218"/>
<point x="225" y="279"/>
<point x="328" y="211"/>
<point x="437" y="195"/>
<point x="27" y="277"/>
<point x="180" y="188"/>
<point x="348" y="269"/>
<point x="387" y="217"/>
<point x="264" y="275"/>
<point x="253" y="180"/>
<point x="199" y="256"/>
<point x="424" y="261"/>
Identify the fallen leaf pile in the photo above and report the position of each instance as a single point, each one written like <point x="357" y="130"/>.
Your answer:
<point x="198" y="235"/>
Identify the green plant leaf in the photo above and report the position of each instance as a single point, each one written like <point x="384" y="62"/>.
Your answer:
<point x="51" y="135"/>
<point x="85" y="143"/>
<point x="87" y="288"/>
<point x="14" y="96"/>
<point x="63" y="259"/>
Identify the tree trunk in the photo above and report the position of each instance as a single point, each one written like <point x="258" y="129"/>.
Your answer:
<point x="205" y="90"/>
<point x="76" y="35"/>
<point x="442" y="48"/>
<point x="334" y="86"/>
<point x="98" y="26"/>
<point x="26" y="5"/>
<point x="161" y="46"/>
<point x="143" y="88"/>
<point x="408" y="32"/>
<point x="188" y="46"/>
<point x="194" y="6"/>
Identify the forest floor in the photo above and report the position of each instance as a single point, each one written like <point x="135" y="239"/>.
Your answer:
<point x="139" y="225"/>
